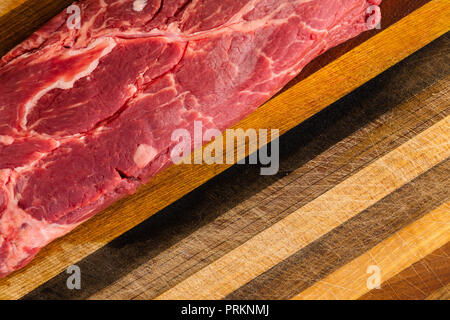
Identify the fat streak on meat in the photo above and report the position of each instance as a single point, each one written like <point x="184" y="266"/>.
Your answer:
<point x="87" y="114"/>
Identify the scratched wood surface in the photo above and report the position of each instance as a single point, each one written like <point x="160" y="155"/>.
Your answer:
<point x="364" y="182"/>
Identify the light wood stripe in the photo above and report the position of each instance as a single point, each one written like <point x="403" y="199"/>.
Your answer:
<point x="299" y="102"/>
<point x="8" y="5"/>
<point x="392" y="256"/>
<point x="357" y="236"/>
<point x="318" y="217"/>
<point x="365" y="61"/>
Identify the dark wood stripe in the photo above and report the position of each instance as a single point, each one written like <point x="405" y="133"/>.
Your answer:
<point x="397" y="10"/>
<point x="22" y="21"/>
<point x="352" y="238"/>
<point x="419" y="281"/>
<point x="238" y="204"/>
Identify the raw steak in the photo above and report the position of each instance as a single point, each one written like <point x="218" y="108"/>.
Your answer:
<point x="87" y="114"/>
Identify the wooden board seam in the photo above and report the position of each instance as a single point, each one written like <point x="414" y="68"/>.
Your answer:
<point x="310" y="222"/>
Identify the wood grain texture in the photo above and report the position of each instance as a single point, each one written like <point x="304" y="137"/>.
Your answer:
<point x="354" y="238"/>
<point x="318" y="217"/>
<point x="300" y="101"/>
<point x="391" y="256"/>
<point x="315" y="156"/>
<point x="427" y="278"/>
<point x="441" y="294"/>
<point x="9" y="5"/>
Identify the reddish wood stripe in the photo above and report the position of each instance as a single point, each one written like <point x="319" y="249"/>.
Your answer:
<point x="352" y="238"/>
<point x="389" y="257"/>
<point x="441" y="294"/>
<point x="273" y="111"/>
<point x="419" y="281"/>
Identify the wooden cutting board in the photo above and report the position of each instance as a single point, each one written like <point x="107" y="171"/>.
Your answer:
<point x="407" y="27"/>
<point x="324" y="163"/>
